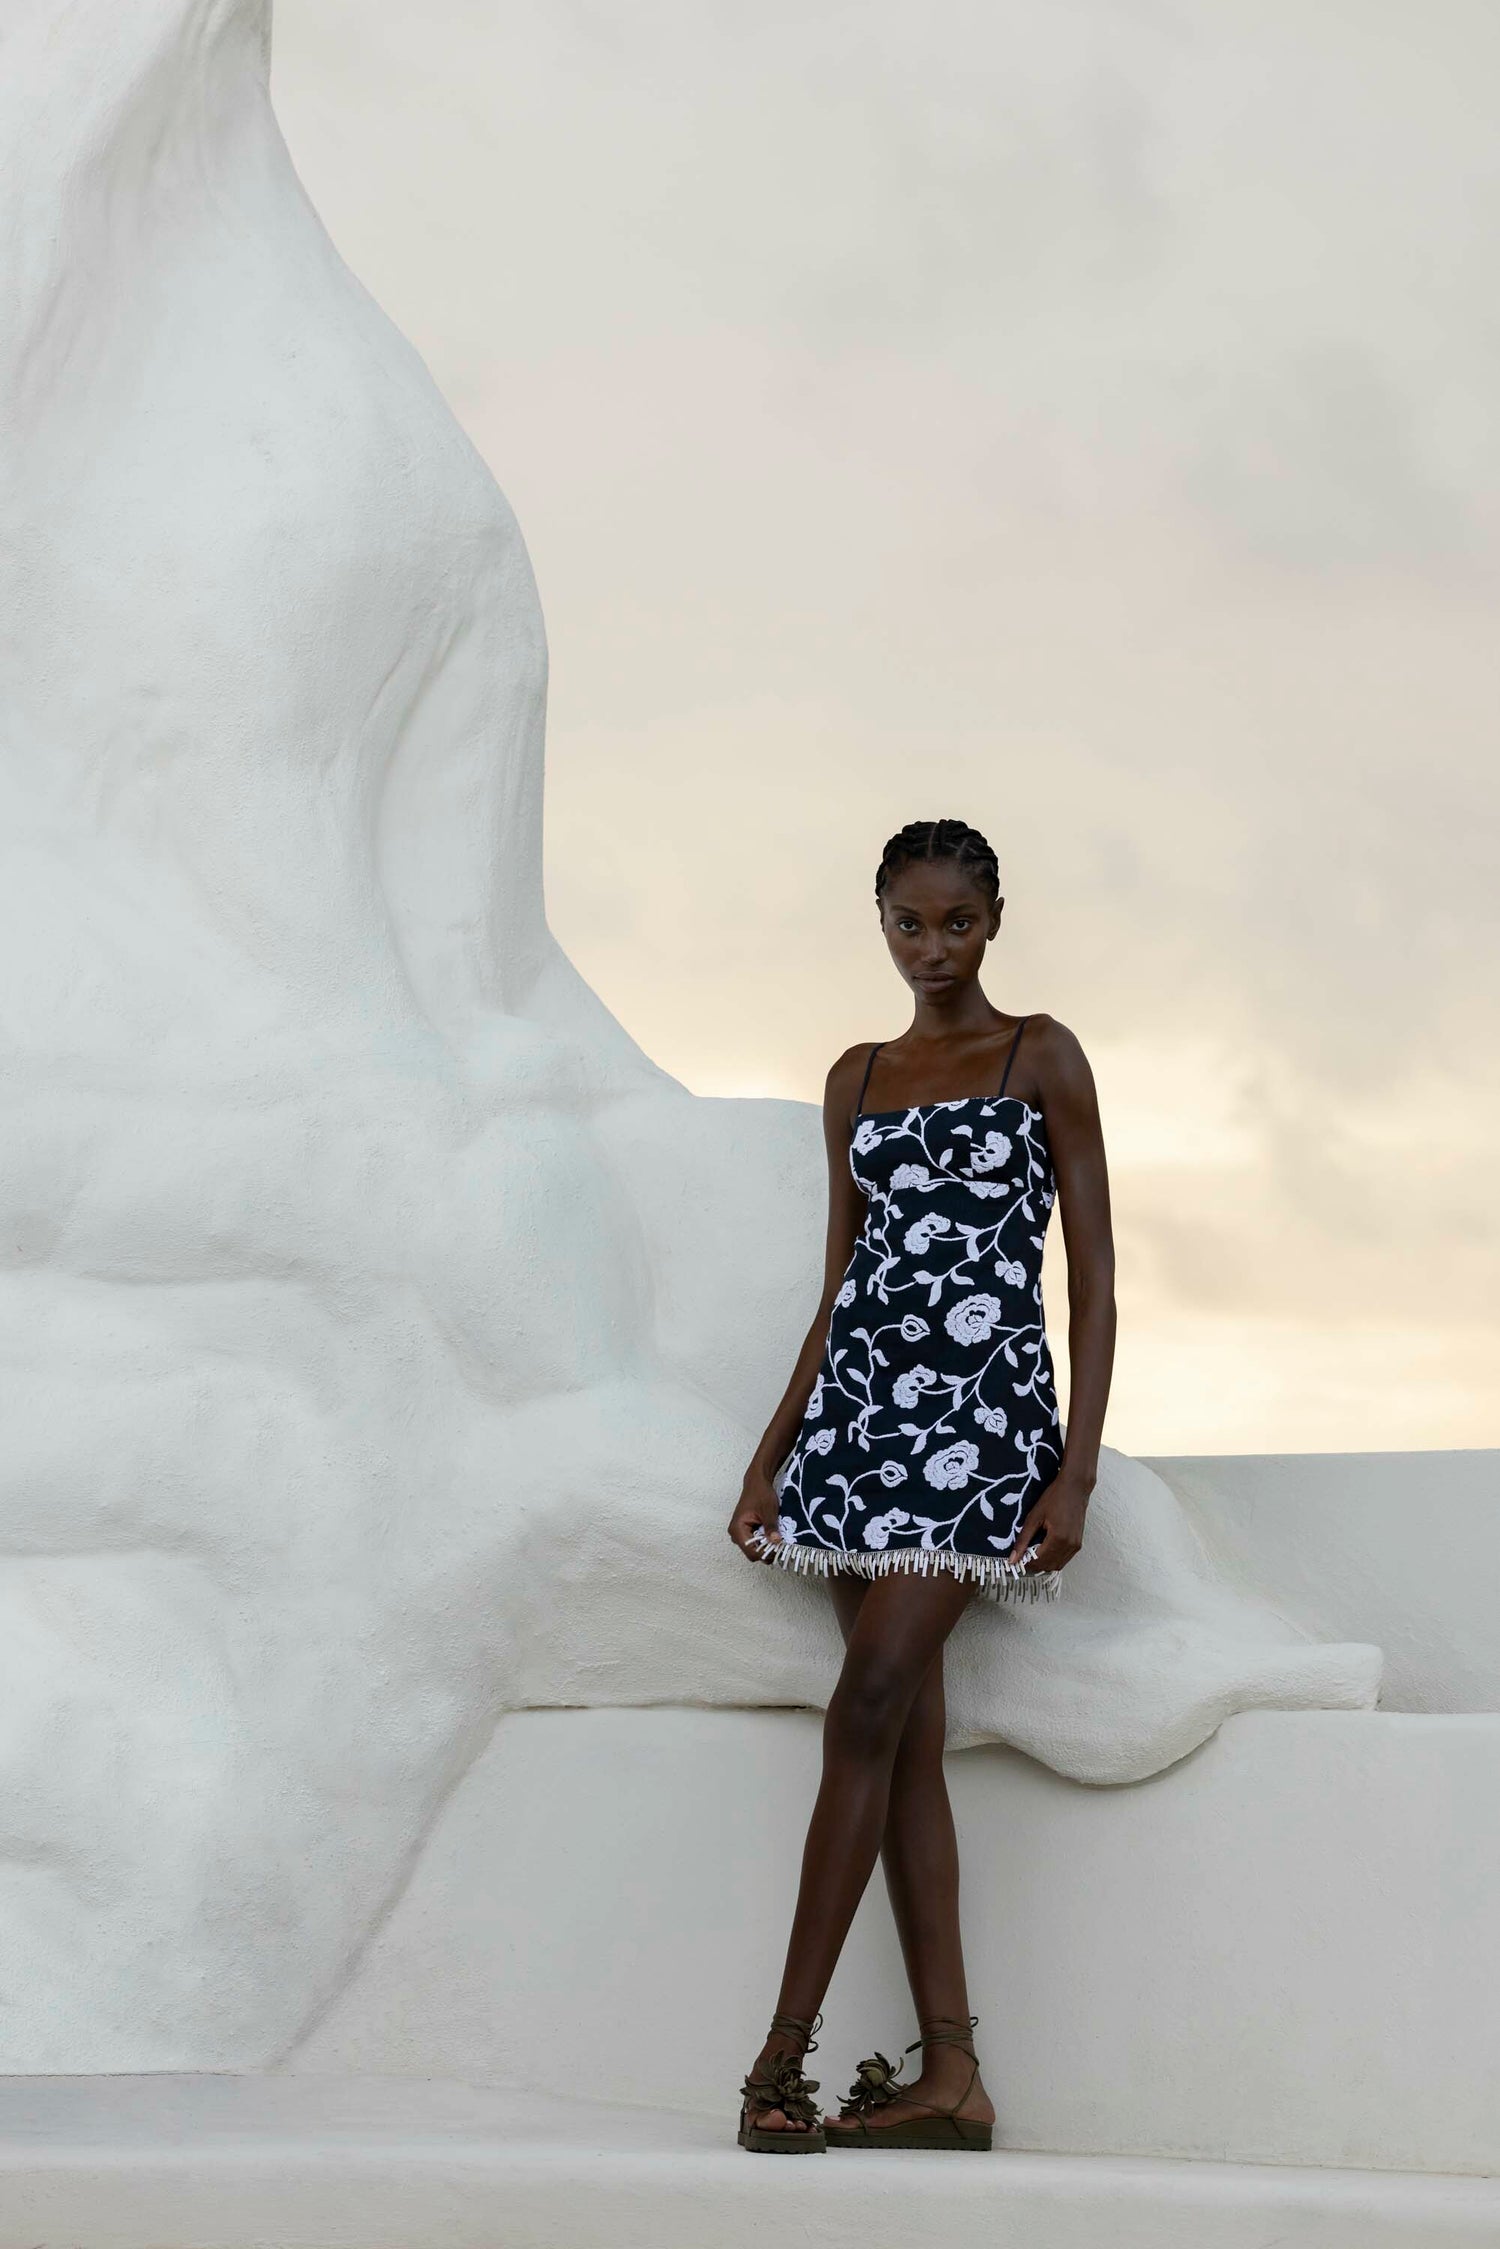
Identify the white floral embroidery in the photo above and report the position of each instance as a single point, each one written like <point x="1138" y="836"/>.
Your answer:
<point x="907" y="1387"/>
<point x="938" y="1314"/>
<point x="951" y="1468"/>
<point x="996" y="1151"/>
<point x="974" y="1318"/>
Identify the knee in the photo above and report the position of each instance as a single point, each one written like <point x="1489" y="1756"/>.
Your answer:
<point x="924" y="1736"/>
<point x="868" y="1710"/>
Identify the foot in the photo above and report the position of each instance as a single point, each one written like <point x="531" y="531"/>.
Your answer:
<point x="949" y="2082"/>
<point x="778" y="2048"/>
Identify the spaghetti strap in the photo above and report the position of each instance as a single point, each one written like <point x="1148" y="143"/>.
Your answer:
<point x="869" y="1066"/>
<point x="1011" y="1055"/>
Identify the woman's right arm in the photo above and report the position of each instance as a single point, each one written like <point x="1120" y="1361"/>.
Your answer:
<point x="752" y="1526"/>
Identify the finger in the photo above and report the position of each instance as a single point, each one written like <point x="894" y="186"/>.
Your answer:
<point x="1037" y="1544"/>
<point x="1021" y="1551"/>
<point x="1054" y="1553"/>
<point x="1029" y="1528"/>
<point x="754" y="1539"/>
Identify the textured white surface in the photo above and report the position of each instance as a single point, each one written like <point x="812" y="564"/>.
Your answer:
<point x="383" y="1333"/>
<point x="1284" y="1949"/>
<point x="236" y="2163"/>
<point x="1402" y="1548"/>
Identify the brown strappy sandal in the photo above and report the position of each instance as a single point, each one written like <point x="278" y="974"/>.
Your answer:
<point x="875" y="2087"/>
<point x="779" y="2083"/>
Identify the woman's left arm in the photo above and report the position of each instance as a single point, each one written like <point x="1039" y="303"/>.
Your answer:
<point x="1070" y="1107"/>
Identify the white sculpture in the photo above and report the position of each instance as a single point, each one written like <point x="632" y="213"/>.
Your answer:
<point x="384" y="1333"/>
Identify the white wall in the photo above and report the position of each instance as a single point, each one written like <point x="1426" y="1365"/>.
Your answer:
<point x="1399" y="1548"/>
<point x="1283" y="1950"/>
<point x="385" y="1334"/>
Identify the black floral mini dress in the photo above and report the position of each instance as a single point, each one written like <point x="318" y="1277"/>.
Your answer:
<point x="932" y="1426"/>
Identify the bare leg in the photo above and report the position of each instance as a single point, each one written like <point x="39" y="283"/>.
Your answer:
<point x="893" y="1638"/>
<point x="919" y="1852"/>
<point x="919" y="1849"/>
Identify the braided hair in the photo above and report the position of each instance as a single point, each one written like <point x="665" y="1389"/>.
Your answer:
<point x="940" y="839"/>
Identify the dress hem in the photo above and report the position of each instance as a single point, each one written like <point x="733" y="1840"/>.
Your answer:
<point x="997" y="1578"/>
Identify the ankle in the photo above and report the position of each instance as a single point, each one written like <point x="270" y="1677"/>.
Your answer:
<point x="946" y="2068"/>
<point x="946" y="2046"/>
<point x="792" y="2034"/>
<point x="934" y="2032"/>
<point x="777" y="2083"/>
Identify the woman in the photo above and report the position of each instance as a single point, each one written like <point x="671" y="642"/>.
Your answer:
<point x="917" y="1459"/>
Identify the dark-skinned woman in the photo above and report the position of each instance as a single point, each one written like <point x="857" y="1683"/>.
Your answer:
<point x="916" y="1459"/>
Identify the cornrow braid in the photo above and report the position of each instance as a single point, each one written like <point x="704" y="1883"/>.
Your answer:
<point x="940" y="839"/>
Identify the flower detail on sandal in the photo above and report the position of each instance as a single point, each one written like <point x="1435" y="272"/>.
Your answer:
<point x="874" y="2085"/>
<point x="929" y="2125"/>
<point x="781" y="2084"/>
<point x="778" y="2083"/>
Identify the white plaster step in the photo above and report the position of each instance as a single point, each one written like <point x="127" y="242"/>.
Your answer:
<point x="224" y="2162"/>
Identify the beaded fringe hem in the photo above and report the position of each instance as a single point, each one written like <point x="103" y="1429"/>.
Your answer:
<point x="998" y="1580"/>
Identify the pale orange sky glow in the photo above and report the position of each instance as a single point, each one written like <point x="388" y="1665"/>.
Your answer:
<point x="1077" y="419"/>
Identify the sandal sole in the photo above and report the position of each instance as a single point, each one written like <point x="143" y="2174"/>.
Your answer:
<point x="965" y="2139"/>
<point x="783" y="2143"/>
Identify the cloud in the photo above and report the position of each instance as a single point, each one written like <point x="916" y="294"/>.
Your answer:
<point x="1079" y="419"/>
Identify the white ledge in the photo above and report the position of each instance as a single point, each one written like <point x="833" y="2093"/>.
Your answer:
<point x="224" y="2162"/>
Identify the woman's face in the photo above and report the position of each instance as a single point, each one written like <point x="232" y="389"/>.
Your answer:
<point x="937" y="923"/>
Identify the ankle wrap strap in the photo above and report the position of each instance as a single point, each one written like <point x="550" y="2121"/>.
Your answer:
<point x="793" y="2026"/>
<point x="945" y="2030"/>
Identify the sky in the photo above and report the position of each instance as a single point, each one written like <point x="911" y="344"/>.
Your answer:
<point x="1080" y="419"/>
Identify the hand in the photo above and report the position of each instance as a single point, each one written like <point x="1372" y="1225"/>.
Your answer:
<point x="754" y="1524"/>
<point x="1057" y="1518"/>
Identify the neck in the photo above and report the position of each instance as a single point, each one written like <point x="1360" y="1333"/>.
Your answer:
<point x="958" y="1014"/>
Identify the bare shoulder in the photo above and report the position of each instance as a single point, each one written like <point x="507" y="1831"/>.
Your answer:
<point x="841" y="1087"/>
<point x="1057" y="1061"/>
<point x="1050" y="1040"/>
